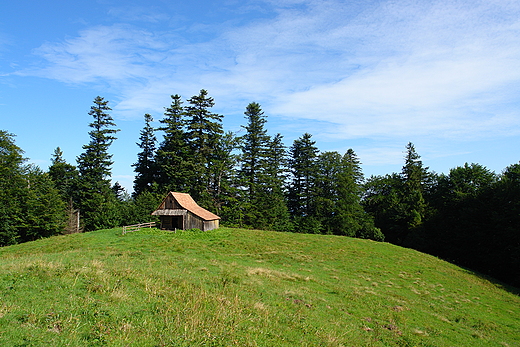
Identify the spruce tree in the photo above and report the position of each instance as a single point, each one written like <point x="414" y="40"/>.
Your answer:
<point x="350" y="215"/>
<point x="254" y="146"/>
<point x="204" y="131"/>
<point x="255" y="143"/>
<point x="328" y="167"/>
<point x="413" y="176"/>
<point x="30" y="205"/>
<point x="44" y="210"/>
<point x="301" y="198"/>
<point x="273" y="194"/>
<point x="12" y="188"/>
<point x="63" y="174"/>
<point x="145" y="167"/>
<point x="261" y="174"/>
<point x="173" y="160"/>
<point x="94" y="195"/>
<point x="65" y="177"/>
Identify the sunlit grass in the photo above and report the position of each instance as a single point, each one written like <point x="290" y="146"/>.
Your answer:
<point x="246" y="288"/>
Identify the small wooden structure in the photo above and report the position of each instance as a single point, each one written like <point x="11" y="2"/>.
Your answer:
<point x="136" y="227"/>
<point x="180" y="211"/>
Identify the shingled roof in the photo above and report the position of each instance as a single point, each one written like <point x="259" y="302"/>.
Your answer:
<point x="186" y="202"/>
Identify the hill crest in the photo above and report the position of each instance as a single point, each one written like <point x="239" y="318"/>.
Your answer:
<point x="244" y="287"/>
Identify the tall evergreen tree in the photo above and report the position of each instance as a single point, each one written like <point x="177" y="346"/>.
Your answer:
<point x="145" y="167"/>
<point x="255" y="143"/>
<point x="329" y="166"/>
<point x="64" y="175"/>
<point x="174" y="161"/>
<point x="303" y="169"/>
<point x="276" y="211"/>
<point x="262" y="174"/>
<point x="414" y="177"/>
<point x="351" y="216"/>
<point x="204" y="131"/>
<point x="302" y="186"/>
<point x="254" y="146"/>
<point x="397" y="201"/>
<point x="94" y="196"/>
<point x="12" y="188"/>
<point x="338" y="197"/>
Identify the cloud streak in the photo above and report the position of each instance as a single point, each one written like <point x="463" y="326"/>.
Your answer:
<point x="371" y="70"/>
<point x="117" y="54"/>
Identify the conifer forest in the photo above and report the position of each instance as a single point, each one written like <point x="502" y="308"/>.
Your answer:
<point x="469" y="216"/>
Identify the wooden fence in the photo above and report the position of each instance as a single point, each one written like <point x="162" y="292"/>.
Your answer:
<point x="130" y="228"/>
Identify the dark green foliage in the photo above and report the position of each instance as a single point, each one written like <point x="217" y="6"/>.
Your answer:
<point x="95" y="163"/>
<point x="262" y="175"/>
<point x="145" y="167"/>
<point x="351" y="217"/>
<point x="324" y="195"/>
<point x="43" y="207"/>
<point x="94" y="196"/>
<point x="119" y="192"/>
<point x="254" y="146"/>
<point x="303" y="168"/>
<point x="144" y="204"/>
<point x="12" y="188"/>
<point x="203" y="126"/>
<point x="338" y="202"/>
<point x="470" y="216"/>
<point x="414" y="176"/>
<point x="327" y="190"/>
<point x="504" y="241"/>
<point x="462" y="183"/>
<point x="203" y="131"/>
<point x="222" y="186"/>
<point x="476" y="221"/>
<point x="276" y="212"/>
<point x="100" y="210"/>
<point x="30" y="205"/>
<point x="397" y="202"/>
<point x="63" y="174"/>
<point x="382" y="200"/>
<point x="173" y="160"/>
<point x="135" y="210"/>
<point x="195" y="155"/>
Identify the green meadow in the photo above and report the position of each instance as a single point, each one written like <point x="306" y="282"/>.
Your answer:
<point x="234" y="287"/>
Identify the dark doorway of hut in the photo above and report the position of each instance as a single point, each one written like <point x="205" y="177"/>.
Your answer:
<point x="172" y="223"/>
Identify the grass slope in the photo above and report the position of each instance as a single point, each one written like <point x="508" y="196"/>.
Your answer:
<point x="246" y="288"/>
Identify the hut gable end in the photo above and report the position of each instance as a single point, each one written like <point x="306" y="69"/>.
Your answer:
<point x="169" y="203"/>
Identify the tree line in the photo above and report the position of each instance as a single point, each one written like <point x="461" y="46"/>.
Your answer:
<point x="470" y="216"/>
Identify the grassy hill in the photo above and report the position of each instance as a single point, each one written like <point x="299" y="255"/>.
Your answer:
<point x="245" y="288"/>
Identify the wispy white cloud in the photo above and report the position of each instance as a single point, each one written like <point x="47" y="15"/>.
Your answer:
<point x="370" y="69"/>
<point x="421" y="70"/>
<point x="111" y="53"/>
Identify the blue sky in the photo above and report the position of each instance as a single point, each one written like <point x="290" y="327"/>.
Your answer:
<point x="367" y="75"/>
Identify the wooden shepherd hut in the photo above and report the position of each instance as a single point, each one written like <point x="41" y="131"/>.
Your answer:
<point x="180" y="211"/>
